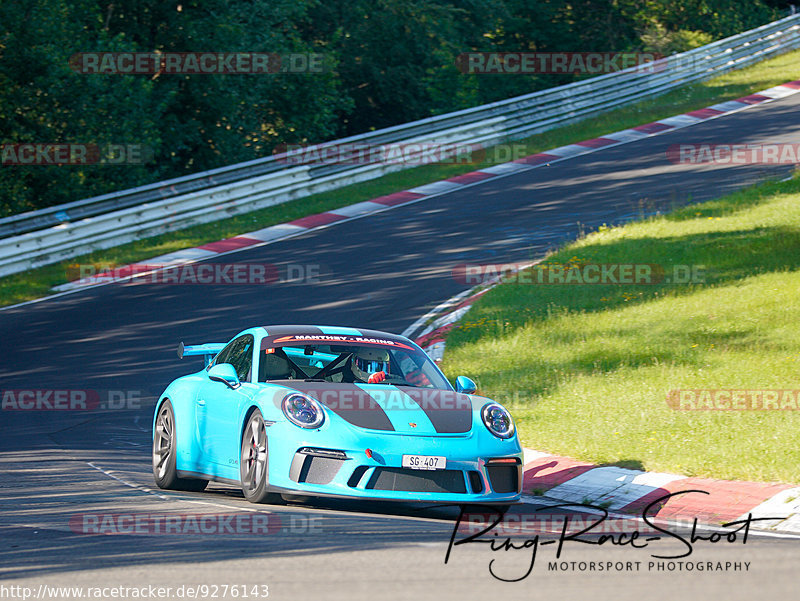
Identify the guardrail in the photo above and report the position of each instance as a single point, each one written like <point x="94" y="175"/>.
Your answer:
<point x="57" y="233"/>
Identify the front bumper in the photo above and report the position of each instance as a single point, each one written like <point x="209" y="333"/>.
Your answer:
<point x="472" y="474"/>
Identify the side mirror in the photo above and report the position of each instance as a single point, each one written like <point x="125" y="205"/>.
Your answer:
<point x="465" y="385"/>
<point x="225" y="373"/>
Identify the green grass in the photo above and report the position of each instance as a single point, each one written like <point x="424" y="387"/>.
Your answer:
<point x="38" y="282"/>
<point x="586" y="369"/>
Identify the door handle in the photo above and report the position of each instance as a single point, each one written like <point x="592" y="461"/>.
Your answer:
<point x="201" y="402"/>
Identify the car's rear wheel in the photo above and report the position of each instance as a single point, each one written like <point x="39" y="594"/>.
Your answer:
<point x="164" y="454"/>
<point x="253" y="467"/>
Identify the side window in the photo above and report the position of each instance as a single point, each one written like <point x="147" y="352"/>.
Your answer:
<point x="239" y="353"/>
<point x="222" y="356"/>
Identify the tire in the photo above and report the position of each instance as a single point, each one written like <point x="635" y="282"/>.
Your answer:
<point x="164" y="454"/>
<point x="253" y="466"/>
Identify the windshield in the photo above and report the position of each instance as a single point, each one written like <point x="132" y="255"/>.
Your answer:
<point x="393" y="363"/>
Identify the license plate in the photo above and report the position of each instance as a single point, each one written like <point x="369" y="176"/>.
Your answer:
<point x="424" y="462"/>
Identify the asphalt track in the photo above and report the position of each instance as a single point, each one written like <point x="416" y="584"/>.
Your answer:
<point x="382" y="271"/>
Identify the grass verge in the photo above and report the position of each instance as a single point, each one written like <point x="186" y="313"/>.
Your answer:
<point x="586" y="369"/>
<point x="38" y="282"/>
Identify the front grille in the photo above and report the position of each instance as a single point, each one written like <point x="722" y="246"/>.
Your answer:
<point x="321" y="470"/>
<point x="504" y="477"/>
<point x="314" y="469"/>
<point x="399" y="479"/>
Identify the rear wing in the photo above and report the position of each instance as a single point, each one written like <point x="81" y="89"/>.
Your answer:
<point x="208" y="350"/>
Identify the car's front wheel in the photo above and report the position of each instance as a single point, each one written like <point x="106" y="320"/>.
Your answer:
<point x="253" y="467"/>
<point x="164" y="453"/>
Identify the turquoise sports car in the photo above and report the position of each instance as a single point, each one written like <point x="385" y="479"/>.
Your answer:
<point x="331" y="411"/>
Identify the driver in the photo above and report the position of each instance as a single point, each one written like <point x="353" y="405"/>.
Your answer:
<point x="369" y="365"/>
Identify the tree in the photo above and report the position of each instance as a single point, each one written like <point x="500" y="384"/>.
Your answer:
<point x="42" y="100"/>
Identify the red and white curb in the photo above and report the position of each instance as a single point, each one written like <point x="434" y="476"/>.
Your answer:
<point x="283" y="231"/>
<point x="629" y="491"/>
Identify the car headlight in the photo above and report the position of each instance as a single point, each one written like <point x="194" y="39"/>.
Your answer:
<point x="497" y="420"/>
<point x="302" y="411"/>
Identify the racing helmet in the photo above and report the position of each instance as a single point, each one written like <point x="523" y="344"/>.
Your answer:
<point x="371" y="360"/>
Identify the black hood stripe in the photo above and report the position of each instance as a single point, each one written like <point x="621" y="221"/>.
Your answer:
<point x="449" y="412"/>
